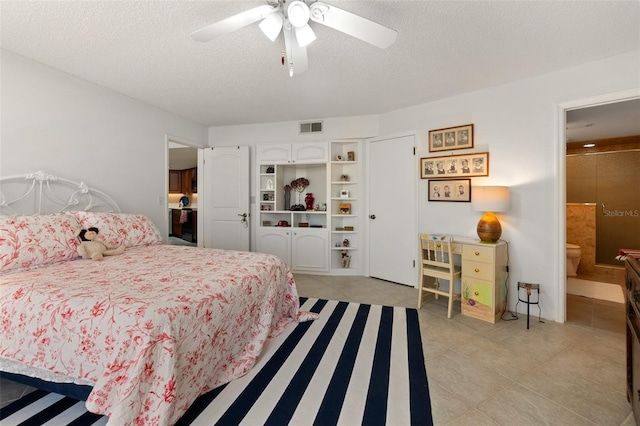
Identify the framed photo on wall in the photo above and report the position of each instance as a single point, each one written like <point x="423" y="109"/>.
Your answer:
<point x="450" y="166"/>
<point x="450" y="190"/>
<point x="451" y="138"/>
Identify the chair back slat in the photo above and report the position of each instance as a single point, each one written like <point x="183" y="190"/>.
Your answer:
<point x="436" y="251"/>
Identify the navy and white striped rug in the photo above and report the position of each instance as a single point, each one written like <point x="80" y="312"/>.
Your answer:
<point x="356" y="364"/>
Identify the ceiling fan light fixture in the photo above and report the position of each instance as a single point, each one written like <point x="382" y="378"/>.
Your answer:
<point x="298" y="13"/>
<point x="305" y="35"/>
<point x="271" y="25"/>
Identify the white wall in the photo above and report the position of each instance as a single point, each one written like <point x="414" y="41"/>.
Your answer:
<point x="517" y="124"/>
<point x="66" y="126"/>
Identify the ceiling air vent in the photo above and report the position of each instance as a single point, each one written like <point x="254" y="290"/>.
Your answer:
<point x="311" y="127"/>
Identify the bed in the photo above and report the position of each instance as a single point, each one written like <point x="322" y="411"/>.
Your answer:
<point x="144" y="332"/>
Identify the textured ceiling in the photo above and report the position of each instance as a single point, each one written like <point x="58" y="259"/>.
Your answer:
<point x="144" y="50"/>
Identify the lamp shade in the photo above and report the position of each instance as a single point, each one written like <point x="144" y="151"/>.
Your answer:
<point x="490" y="199"/>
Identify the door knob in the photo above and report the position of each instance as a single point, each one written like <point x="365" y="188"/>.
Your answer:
<point x="244" y="219"/>
<point x="373" y="216"/>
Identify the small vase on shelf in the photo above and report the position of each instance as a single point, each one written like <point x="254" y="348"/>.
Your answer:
<point x="287" y="197"/>
<point x="308" y="200"/>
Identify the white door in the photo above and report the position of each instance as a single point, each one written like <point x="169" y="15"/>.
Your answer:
<point x="392" y="209"/>
<point x="226" y="198"/>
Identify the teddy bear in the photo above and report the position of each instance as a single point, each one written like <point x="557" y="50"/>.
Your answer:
<point x="92" y="248"/>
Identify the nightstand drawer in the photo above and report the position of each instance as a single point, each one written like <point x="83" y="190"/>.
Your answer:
<point x="478" y="270"/>
<point x="477" y="253"/>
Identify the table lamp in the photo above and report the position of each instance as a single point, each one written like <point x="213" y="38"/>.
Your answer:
<point x="490" y="199"/>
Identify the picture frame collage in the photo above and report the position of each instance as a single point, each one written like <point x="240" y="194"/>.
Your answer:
<point x="448" y="175"/>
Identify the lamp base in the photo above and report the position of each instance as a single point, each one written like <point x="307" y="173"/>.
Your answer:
<point x="489" y="228"/>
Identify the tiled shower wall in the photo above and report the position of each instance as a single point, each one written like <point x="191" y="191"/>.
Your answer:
<point x="581" y="230"/>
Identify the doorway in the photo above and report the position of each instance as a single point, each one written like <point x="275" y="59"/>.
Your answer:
<point x="182" y="196"/>
<point x="608" y="121"/>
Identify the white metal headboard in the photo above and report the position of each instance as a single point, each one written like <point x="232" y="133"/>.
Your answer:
<point x="40" y="192"/>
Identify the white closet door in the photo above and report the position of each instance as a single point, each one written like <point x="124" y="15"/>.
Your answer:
<point x="392" y="210"/>
<point x="226" y="202"/>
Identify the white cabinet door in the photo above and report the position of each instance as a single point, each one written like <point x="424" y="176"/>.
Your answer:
<point x="276" y="241"/>
<point x="275" y="154"/>
<point x="304" y="153"/>
<point x="312" y="152"/>
<point x="310" y="250"/>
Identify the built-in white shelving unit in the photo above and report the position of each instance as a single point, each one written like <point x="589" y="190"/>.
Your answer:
<point x="325" y="239"/>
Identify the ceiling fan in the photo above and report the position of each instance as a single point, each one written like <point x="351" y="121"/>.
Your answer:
<point x="291" y="17"/>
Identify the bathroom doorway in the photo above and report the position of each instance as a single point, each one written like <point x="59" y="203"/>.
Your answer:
<point x="602" y="212"/>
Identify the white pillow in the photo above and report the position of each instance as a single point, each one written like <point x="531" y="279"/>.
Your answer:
<point x="132" y="230"/>
<point x="28" y="242"/>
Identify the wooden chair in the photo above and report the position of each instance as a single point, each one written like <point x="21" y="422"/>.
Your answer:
<point x="436" y="260"/>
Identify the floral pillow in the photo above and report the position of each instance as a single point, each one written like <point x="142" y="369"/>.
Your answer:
<point x="132" y="230"/>
<point x="28" y="242"/>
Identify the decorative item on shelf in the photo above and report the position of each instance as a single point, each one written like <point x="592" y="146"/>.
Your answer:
<point x="339" y="157"/>
<point x="298" y="208"/>
<point x="317" y="207"/>
<point x="490" y="199"/>
<point x="345" y="243"/>
<point x="346" y="259"/>
<point x="270" y="169"/>
<point x="348" y="228"/>
<point x="283" y="223"/>
<point x="351" y="156"/>
<point x="323" y="207"/>
<point x="299" y="185"/>
<point x="287" y="197"/>
<point x="339" y="228"/>
<point x="344" y="178"/>
<point x="265" y="197"/>
<point x="266" y="223"/>
<point x="269" y="184"/>
<point x="308" y="200"/>
<point x="344" y="208"/>
<point x="303" y="225"/>
<point x="344" y="193"/>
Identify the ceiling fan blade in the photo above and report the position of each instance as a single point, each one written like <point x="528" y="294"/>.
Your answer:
<point x="296" y="55"/>
<point x="233" y="23"/>
<point x="354" y="25"/>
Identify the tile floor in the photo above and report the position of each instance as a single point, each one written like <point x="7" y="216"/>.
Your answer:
<point x="501" y="374"/>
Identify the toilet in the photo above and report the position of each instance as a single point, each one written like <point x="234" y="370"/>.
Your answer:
<point x="573" y="259"/>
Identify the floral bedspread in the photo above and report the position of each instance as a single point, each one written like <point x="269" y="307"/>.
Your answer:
<point x="151" y="329"/>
